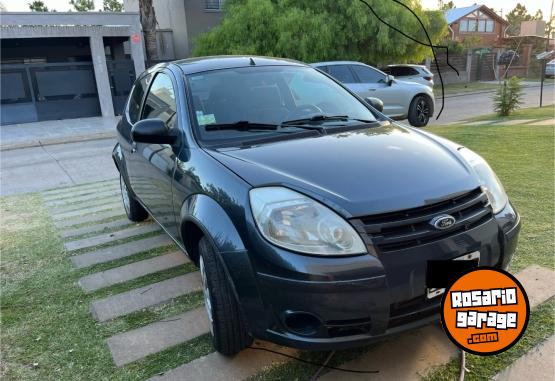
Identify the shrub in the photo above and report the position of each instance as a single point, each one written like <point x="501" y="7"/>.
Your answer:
<point x="508" y="97"/>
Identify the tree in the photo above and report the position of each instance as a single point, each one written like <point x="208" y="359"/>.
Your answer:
<point x="38" y="6"/>
<point x="82" y="5"/>
<point x="508" y="97"/>
<point x="148" y="22"/>
<point x="112" y="6"/>
<point x="446" y="6"/>
<point x="519" y="14"/>
<point x="320" y="30"/>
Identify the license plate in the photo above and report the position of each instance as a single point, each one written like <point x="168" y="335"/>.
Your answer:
<point x="433" y="292"/>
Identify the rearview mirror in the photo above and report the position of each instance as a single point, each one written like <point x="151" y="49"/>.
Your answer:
<point x="389" y="79"/>
<point x="375" y="102"/>
<point x="152" y="131"/>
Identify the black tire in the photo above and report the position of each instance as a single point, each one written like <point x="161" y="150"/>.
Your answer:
<point x="420" y="111"/>
<point x="229" y="332"/>
<point x="133" y="209"/>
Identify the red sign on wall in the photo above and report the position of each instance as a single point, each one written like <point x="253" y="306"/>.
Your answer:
<point x="135" y="38"/>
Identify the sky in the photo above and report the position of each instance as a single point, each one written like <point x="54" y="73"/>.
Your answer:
<point x="499" y="6"/>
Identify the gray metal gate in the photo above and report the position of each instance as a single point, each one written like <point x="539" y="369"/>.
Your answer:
<point x="122" y="76"/>
<point x="35" y="92"/>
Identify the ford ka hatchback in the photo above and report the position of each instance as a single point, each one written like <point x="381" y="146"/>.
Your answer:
<point x="312" y="217"/>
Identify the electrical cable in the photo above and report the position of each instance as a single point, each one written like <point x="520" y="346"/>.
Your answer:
<point x="430" y="45"/>
<point x="326" y="361"/>
<point x="315" y="363"/>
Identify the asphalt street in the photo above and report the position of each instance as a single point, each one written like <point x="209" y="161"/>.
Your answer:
<point x="37" y="168"/>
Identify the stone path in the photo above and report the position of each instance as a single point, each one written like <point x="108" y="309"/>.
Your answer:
<point x="106" y="236"/>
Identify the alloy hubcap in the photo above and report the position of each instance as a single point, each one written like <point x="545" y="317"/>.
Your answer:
<point x="124" y="194"/>
<point x="422" y="110"/>
<point x="206" y="292"/>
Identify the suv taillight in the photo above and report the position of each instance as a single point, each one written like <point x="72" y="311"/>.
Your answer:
<point x="428" y="78"/>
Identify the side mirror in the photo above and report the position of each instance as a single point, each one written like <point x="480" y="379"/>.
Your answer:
<point x="152" y="131"/>
<point x="389" y="79"/>
<point x="375" y="102"/>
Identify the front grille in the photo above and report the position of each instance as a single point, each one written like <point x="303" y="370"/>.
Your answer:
<point x="411" y="227"/>
<point x="412" y="310"/>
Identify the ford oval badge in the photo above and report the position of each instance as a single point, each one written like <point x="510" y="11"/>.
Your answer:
<point x="442" y="222"/>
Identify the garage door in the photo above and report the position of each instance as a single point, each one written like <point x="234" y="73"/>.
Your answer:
<point x="36" y="92"/>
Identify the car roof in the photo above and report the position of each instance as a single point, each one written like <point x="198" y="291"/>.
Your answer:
<point x="409" y="65"/>
<point x="201" y="64"/>
<point x="325" y="63"/>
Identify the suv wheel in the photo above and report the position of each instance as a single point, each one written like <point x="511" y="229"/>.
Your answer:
<point x="229" y="333"/>
<point x="420" y="111"/>
<point x="133" y="209"/>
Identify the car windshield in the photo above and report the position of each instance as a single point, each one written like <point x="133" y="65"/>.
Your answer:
<point x="236" y="105"/>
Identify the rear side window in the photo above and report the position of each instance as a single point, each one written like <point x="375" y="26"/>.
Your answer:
<point x="341" y="73"/>
<point x="403" y="71"/>
<point x="160" y="101"/>
<point x="136" y="97"/>
<point x="367" y="75"/>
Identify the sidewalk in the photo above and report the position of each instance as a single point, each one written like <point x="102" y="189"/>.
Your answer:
<point x="36" y="134"/>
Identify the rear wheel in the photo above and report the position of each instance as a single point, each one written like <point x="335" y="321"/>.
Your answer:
<point x="420" y="111"/>
<point x="229" y="332"/>
<point x="133" y="209"/>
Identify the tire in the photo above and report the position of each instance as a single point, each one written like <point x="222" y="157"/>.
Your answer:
<point x="420" y="110"/>
<point x="229" y="332"/>
<point x="134" y="210"/>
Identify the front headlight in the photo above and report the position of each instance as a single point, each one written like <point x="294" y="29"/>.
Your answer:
<point x="490" y="183"/>
<point x="295" y="222"/>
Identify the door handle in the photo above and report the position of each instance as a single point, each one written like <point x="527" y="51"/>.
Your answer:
<point x="371" y="89"/>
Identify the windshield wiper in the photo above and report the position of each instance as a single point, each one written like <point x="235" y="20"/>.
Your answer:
<point x="241" y="125"/>
<point x="323" y="118"/>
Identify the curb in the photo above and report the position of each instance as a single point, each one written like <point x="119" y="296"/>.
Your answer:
<point x="58" y="140"/>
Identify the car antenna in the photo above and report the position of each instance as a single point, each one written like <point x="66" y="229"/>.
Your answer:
<point x="252" y="62"/>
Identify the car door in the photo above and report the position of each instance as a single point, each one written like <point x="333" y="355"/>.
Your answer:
<point x="152" y="166"/>
<point x="373" y="83"/>
<point x="343" y="74"/>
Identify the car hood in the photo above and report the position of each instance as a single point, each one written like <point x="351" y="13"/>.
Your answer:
<point x="360" y="172"/>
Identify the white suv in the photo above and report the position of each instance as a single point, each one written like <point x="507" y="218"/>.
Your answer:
<point x="401" y="99"/>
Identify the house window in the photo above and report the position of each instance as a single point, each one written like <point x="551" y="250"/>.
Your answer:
<point x="213" y="4"/>
<point x="472" y="25"/>
<point x="464" y="26"/>
<point x="489" y="26"/>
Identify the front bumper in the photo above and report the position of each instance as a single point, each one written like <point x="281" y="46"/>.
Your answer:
<point x="334" y="303"/>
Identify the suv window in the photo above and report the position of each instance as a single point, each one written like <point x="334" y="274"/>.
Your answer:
<point x="136" y="97"/>
<point x="160" y="101"/>
<point x="341" y="73"/>
<point x="367" y="75"/>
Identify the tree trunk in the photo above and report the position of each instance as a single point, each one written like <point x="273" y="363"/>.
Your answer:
<point x="148" y="22"/>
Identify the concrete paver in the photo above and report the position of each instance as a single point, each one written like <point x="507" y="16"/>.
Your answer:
<point x="84" y="212"/>
<point x="120" y="251"/>
<point x="133" y="345"/>
<point x="92" y="193"/>
<point x="110" y="237"/>
<point x="86" y="197"/>
<point x="93" y="217"/>
<point x="131" y="271"/>
<point x="80" y="187"/>
<point x="83" y="205"/>
<point x="538" y="364"/>
<point x="218" y="367"/>
<point x="134" y="300"/>
<point x="96" y="228"/>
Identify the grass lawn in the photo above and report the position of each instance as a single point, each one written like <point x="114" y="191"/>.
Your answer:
<point x="47" y="332"/>
<point x="457" y="88"/>
<point x="544" y="112"/>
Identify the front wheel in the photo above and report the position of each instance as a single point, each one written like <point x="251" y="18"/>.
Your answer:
<point x="420" y="110"/>
<point x="229" y="332"/>
<point x="134" y="210"/>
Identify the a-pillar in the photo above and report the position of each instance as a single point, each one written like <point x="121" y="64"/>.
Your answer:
<point x="101" y="75"/>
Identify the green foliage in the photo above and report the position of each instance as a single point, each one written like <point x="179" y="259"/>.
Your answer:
<point x="82" y="5"/>
<point x="38" y="6"/>
<point x="517" y="15"/>
<point x="319" y="30"/>
<point x="508" y="97"/>
<point x="446" y="6"/>
<point x="112" y="6"/>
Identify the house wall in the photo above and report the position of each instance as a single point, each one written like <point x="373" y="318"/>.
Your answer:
<point x="199" y="19"/>
<point x="488" y="39"/>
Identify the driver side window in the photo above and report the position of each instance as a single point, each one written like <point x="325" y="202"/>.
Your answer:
<point x="160" y="101"/>
<point x="368" y="75"/>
